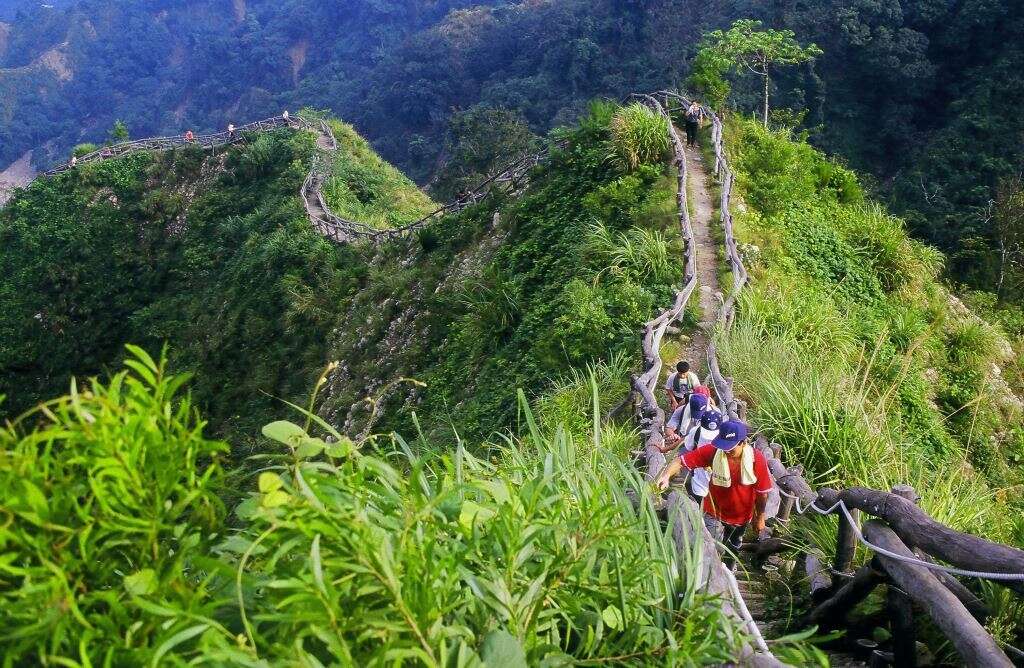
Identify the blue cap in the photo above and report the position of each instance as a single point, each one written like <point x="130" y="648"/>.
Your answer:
<point x="710" y="420"/>
<point x="730" y="433"/>
<point x="698" y="402"/>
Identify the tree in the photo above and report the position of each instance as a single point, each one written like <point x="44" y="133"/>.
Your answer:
<point x="746" y="46"/>
<point x="1008" y="226"/>
<point x="118" y="133"/>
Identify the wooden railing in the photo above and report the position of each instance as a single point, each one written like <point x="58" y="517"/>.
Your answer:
<point x="512" y="178"/>
<point x="907" y="543"/>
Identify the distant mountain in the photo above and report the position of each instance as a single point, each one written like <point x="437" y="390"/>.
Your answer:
<point x="904" y="90"/>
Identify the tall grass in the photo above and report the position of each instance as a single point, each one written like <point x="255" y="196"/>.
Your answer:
<point x="116" y="551"/>
<point x="639" y="136"/>
<point x="641" y="253"/>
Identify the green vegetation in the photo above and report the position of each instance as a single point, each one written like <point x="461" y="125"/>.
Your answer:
<point x="364" y="553"/>
<point x="366" y="189"/>
<point x="747" y="47"/>
<point x="639" y="136"/>
<point x="212" y="254"/>
<point x="484" y="308"/>
<point x="855" y="358"/>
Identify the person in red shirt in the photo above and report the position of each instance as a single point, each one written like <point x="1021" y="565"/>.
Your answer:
<point x="740" y="482"/>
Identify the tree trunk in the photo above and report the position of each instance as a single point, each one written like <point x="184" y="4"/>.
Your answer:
<point x="766" y="98"/>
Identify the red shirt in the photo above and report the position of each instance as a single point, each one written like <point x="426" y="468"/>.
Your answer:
<point x="734" y="504"/>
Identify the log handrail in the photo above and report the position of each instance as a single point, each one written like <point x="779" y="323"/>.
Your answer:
<point x="513" y="177"/>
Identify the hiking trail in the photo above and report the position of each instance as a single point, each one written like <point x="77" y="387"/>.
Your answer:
<point x="702" y="214"/>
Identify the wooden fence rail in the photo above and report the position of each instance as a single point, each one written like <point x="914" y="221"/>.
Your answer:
<point x="906" y="541"/>
<point x="512" y="178"/>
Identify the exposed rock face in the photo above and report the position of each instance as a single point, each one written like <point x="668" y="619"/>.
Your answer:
<point x="18" y="175"/>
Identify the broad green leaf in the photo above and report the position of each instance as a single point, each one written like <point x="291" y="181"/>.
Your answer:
<point x="276" y="498"/>
<point x="473" y="513"/>
<point x="270" y="482"/>
<point x="141" y="583"/>
<point x="310" y="447"/>
<point x="285" y="432"/>
<point x="501" y="649"/>
<point x="612" y="617"/>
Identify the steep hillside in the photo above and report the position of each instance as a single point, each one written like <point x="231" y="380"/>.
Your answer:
<point x="904" y="90"/>
<point x="853" y="355"/>
<point x="213" y="255"/>
<point x="209" y="252"/>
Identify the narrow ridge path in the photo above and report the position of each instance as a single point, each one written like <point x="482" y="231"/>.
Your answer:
<point x="702" y="211"/>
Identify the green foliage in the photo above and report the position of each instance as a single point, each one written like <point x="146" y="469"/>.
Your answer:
<point x="707" y="77"/>
<point x="339" y="552"/>
<point x="852" y="356"/>
<point x="83" y="149"/>
<point x="118" y="132"/>
<point x="479" y="143"/>
<point x="639" y="136"/>
<point x="111" y="505"/>
<point x="491" y="307"/>
<point x="212" y="253"/>
<point x="364" y="188"/>
<point x="747" y="47"/>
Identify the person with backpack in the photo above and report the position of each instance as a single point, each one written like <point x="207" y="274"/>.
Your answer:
<point x="702" y="434"/>
<point x="694" y="116"/>
<point x="679" y="385"/>
<point x="739" y="484"/>
<point x="686" y="416"/>
<point x="189" y="137"/>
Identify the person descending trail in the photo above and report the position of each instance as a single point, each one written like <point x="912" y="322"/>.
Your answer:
<point x="686" y="416"/>
<point x="189" y="137"/>
<point x="739" y="485"/>
<point x="680" y="384"/>
<point x="694" y="117"/>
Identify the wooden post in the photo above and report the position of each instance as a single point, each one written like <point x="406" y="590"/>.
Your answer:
<point x="832" y="612"/>
<point x="785" y="508"/>
<point x="846" y="544"/>
<point x="971" y="640"/>
<point x="818" y="579"/>
<point x="904" y="633"/>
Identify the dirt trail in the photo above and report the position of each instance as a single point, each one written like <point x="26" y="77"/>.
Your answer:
<point x="702" y="213"/>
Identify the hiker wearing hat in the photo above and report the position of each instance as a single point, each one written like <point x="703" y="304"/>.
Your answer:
<point x="679" y="385"/>
<point x="739" y="484"/>
<point x="700" y="435"/>
<point x="685" y="417"/>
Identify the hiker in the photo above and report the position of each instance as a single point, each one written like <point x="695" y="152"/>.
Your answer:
<point x="231" y="130"/>
<point x="285" y="115"/>
<point x="74" y="161"/>
<point x="686" y="416"/>
<point x="700" y="478"/>
<point x="694" y="116"/>
<point x="189" y="137"/>
<point x="740" y="482"/>
<point x="679" y="385"/>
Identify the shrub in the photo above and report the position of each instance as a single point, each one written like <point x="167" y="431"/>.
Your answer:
<point x="639" y="136"/>
<point x="110" y="503"/>
<point x="775" y="171"/>
<point x="83" y="149"/>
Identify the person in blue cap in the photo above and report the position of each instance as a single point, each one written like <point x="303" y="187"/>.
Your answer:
<point x="684" y="418"/>
<point x="740" y="482"/>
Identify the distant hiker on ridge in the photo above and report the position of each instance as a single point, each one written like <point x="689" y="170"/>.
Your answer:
<point x="740" y="482"/>
<point x="680" y="384"/>
<point x="694" y="116"/>
<point x="189" y="137"/>
<point x="231" y="130"/>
